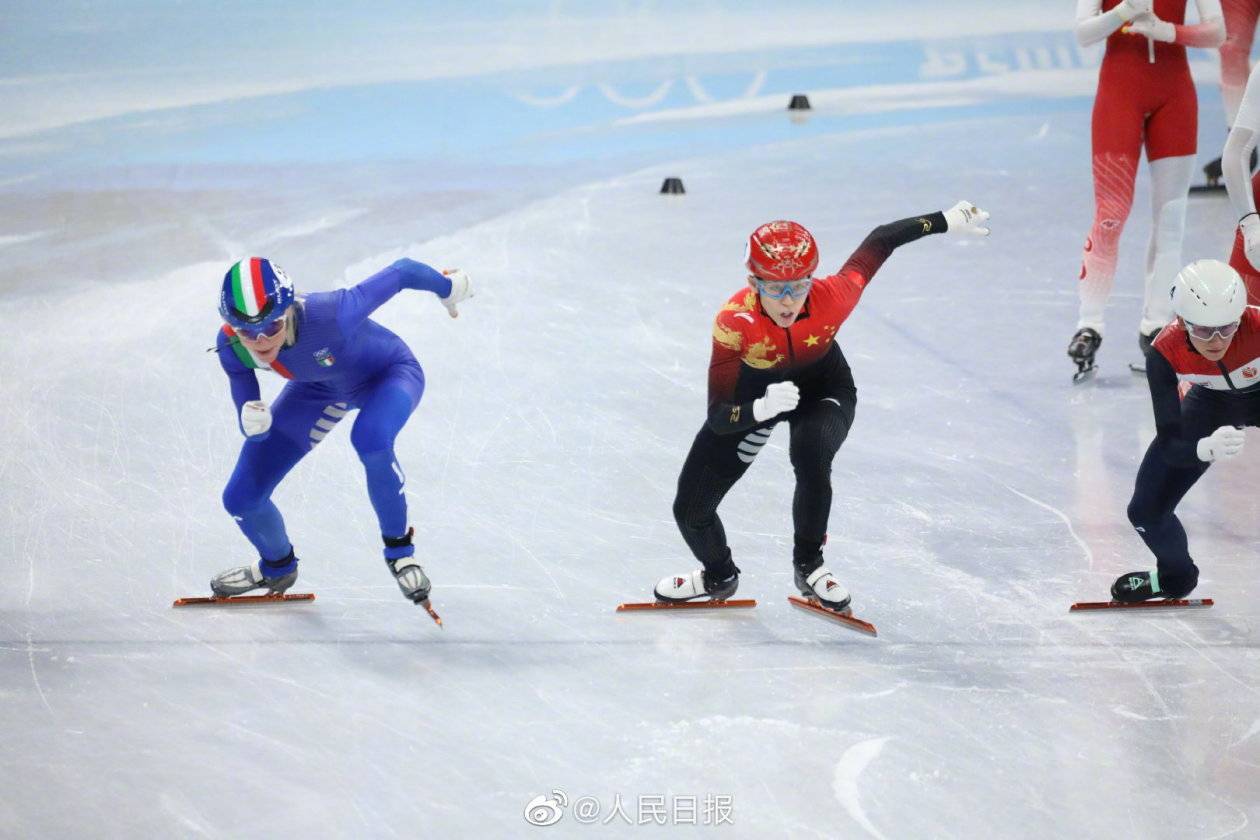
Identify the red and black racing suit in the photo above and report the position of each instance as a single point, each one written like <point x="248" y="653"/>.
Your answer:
<point x="751" y="351"/>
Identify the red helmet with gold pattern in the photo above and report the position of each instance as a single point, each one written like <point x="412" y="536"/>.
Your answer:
<point x="781" y="250"/>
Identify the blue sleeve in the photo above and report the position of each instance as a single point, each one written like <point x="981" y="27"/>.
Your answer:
<point x="362" y="300"/>
<point x="242" y="381"/>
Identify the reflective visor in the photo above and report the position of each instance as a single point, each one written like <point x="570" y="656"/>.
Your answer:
<point x="265" y="331"/>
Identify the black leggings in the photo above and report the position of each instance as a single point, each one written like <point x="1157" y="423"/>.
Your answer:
<point x="716" y="462"/>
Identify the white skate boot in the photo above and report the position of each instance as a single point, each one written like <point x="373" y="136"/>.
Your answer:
<point x="411" y="578"/>
<point x="244" y="579"/>
<point x="696" y="586"/>
<point x="821" y="585"/>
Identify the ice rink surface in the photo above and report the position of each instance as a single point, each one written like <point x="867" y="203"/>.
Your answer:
<point x="978" y="495"/>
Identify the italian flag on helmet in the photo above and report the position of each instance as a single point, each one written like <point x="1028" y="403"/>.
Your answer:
<point x="255" y="291"/>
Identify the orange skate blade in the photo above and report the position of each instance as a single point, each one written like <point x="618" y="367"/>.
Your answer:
<point x="432" y="613"/>
<point x="687" y="605"/>
<point x="1172" y="603"/>
<point x="843" y="618"/>
<point x="273" y="598"/>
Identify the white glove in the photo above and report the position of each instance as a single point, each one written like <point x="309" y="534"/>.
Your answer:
<point x="1152" y="27"/>
<point x="780" y="397"/>
<point x="255" y="418"/>
<point x="1250" y="227"/>
<point x="965" y="217"/>
<point x="1129" y="9"/>
<point x="461" y="289"/>
<point x="1221" y="445"/>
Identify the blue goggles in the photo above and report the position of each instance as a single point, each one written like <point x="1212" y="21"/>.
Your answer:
<point x="268" y="330"/>
<point x="779" y="289"/>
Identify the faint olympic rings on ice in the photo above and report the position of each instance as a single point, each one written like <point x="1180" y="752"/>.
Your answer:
<point x="549" y="101"/>
<point x="702" y="95"/>
<point x="653" y="98"/>
<point x="657" y="96"/>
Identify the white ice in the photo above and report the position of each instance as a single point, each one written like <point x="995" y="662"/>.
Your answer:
<point x="978" y="495"/>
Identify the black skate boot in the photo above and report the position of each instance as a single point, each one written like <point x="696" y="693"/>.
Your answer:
<point x="262" y="575"/>
<point x="1146" y="586"/>
<point x="1082" y="349"/>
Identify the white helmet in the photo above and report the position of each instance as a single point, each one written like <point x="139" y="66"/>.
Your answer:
<point x="1208" y="293"/>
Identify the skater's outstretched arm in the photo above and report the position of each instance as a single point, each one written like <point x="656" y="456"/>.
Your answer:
<point x="358" y="302"/>
<point x="964" y="217"/>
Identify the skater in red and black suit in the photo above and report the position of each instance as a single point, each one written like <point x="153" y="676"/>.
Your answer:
<point x="1213" y="349"/>
<point x="775" y="358"/>
<point x="1145" y="97"/>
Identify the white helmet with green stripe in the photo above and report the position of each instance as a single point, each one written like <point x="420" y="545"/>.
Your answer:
<point x="255" y="292"/>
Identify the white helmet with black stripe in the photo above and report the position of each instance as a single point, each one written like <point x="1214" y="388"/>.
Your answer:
<point x="1209" y="293"/>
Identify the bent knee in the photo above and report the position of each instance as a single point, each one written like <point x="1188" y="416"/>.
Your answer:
<point x="242" y="497"/>
<point x="1143" y="514"/>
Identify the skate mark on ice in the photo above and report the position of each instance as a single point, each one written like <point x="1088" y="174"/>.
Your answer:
<point x="1089" y="555"/>
<point x="30" y="657"/>
<point x="1245" y="819"/>
<point x="1131" y="715"/>
<point x="1251" y="733"/>
<point x="844" y="782"/>
<point x="1185" y="628"/>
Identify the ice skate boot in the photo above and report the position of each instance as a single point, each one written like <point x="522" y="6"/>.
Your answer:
<point x="274" y="577"/>
<point x="696" y="586"/>
<point x="1082" y="349"/>
<point x="1142" y="586"/>
<point x="821" y="586"/>
<point x="400" y="556"/>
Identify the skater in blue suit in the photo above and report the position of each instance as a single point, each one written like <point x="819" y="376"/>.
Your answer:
<point x="336" y="359"/>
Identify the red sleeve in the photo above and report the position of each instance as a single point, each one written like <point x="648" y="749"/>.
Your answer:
<point x="726" y="357"/>
<point x="1208" y="35"/>
<point x="842" y="290"/>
